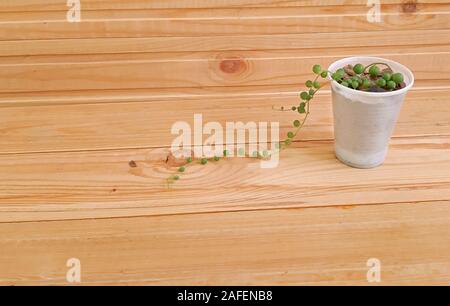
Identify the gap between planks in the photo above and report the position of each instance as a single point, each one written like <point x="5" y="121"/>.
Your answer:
<point x="344" y="207"/>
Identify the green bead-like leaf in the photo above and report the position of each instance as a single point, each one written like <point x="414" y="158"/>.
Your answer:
<point x="317" y="69"/>
<point x="365" y="83"/>
<point x="381" y="83"/>
<point x="398" y="78"/>
<point x="302" y="108"/>
<point x="340" y="72"/>
<point x="374" y="71"/>
<point x="296" y="123"/>
<point x="358" y="69"/>
<point x="391" y="85"/>
<point x="338" y="75"/>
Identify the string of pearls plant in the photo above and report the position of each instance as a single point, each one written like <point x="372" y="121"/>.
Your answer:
<point x="358" y="77"/>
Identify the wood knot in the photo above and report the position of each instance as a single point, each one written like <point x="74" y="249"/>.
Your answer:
<point x="233" y="65"/>
<point x="409" y="6"/>
<point x="179" y="160"/>
<point x="132" y="164"/>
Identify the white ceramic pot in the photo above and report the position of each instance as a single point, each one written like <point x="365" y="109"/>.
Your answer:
<point x="364" y="121"/>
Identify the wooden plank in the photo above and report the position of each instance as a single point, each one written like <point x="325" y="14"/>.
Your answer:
<point x="394" y="39"/>
<point x="214" y="22"/>
<point x="278" y="247"/>
<point x="202" y="69"/>
<point x="148" y="123"/>
<point x="171" y="94"/>
<point x="102" y="184"/>
<point x="168" y="57"/>
<point x="49" y="5"/>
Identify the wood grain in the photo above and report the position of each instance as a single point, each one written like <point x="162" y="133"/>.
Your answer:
<point x="223" y="21"/>
<point x="148" y="123"/>
<point x="326" y="246"/>
<point x="100" y="184"/>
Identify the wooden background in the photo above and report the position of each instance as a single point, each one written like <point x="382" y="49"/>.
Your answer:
<point x="79" y="101"/>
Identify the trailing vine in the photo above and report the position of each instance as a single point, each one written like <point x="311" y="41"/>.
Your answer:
<point x="358" y="77"/>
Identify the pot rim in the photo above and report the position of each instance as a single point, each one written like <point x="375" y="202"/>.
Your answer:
<point x="356" y="59"/>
